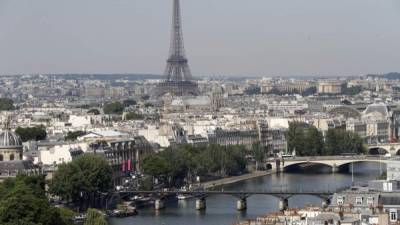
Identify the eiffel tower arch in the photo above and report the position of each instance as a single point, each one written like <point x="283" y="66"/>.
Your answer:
<point x="178" y="78"/>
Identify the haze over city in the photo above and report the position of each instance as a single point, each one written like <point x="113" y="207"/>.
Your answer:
<point x="177" y="112"/>
<point x="225" y="37"/>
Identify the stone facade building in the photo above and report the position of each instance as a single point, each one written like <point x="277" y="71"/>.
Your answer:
<point x="11" y="158"/>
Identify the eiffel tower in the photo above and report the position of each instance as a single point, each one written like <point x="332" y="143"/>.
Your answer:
<point x="178" y="80"/>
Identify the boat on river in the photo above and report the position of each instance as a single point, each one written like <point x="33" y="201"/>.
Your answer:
<point x="183" y="196"/>
<point x="122" y="213"/>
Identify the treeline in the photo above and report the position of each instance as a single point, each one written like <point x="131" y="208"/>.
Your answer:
<point x="32" y="133"/>
<point x="23" y="201"/>
<point x="354" y="90"/>
<point x="118" y="107"/>
<point x="73" y="135"/>
<point x="175" y="166"/>
<point x="307" y="140"/>
<point x="82" y="180"/>
<point x="6" y="104"/>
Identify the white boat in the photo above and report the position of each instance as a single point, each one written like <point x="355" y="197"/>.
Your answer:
<point x="183" y="196"/>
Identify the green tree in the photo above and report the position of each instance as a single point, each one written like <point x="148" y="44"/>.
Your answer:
<point x="23" y="201"/>
<point x="258" y="153"/>
<point x="354" y="90"/>
<point x="305" y="139"/>
<point x="295" y="137"/>
<point x="253" y="90"/>
<point x="236" y="156"/>
<point x="94" y="112"/>
<point x="148" y="105"/>
<point x="72" y="136"/>
<point x="6" y="104"/>
<point x="67" y="215"/>
<point x="176" y="166"/>
<point x="310" y="91"/>
<point x="114" y="108"/>
<point x="313" y="142"/>
<point x="155" y="166"/>
<point x="32" y="133"/>
<point x="339" y="141"/>
<point x="129" y="102"/>
<point x="94" y="217"/>
<point x="145" y="97"/>
<point x="82" y="178"/>
<point x="146" y="183"/>
<point x="134" y="116"/>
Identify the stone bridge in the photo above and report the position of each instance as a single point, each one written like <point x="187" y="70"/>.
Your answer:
<point x="381" y="149"/>
<point x="334" y="162"/>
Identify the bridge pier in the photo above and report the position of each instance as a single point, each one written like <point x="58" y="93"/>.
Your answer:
<point x="200" y="204"/>
<point x="335" y="168"/>
<point x="241" y="204"/>
<point x="283" y="204"/>
<point x="159" y="204"/>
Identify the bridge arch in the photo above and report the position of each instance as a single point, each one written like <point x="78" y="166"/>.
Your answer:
<point x="378" y="151"/>
<point x="362" y="161"/>
<point x="305" y="164"/>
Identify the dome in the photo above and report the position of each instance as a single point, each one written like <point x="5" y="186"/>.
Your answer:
<point x="9" y="139"/>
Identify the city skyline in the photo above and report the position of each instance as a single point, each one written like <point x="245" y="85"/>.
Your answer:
<point x="263" y="38"/>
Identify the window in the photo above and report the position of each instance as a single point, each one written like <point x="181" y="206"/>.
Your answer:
<point x="12" y="157"/>
<point x="1" y="157"/>
<point x="370" y="200"/>
<point x="359" y="200"/>
<point x="387" y="186"/>
<point x="393" y="215"/>
<point x="340" y="200"/>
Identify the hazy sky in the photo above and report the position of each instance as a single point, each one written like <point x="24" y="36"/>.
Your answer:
<point x="222" y="37"/>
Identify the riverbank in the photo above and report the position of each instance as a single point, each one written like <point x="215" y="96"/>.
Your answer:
<point x="235" y="179"/>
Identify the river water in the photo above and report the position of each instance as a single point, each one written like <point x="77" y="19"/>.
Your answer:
<point x="221" y="209"/>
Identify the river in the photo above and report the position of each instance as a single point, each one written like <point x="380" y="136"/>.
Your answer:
<point x="221" y="210"/>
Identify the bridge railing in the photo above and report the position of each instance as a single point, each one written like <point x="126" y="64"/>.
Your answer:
<point x="326" y="158"/>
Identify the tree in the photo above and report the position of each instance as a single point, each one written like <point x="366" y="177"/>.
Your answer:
<point x="295" y="137"/>
<point x="354" y="90"/>
<point x="114" y="108"/>
<point x="134" y="116"/>
<point x="253" y="90"/>
<point x="175" y="166"/>
<point x="313" y="142"/>
<point x="339" y="141"/>
<point x="145" y="97"/>
<point x="305" y="139"/>
<point x="32" y="133"/>
<point x="94" y="112"/>
<point x="72" y="136"/>
<point x="310" y="91"/>
<point x="94" y="217"/>
<point x="155" y="166"/>
<point x="82" y="178"/>
<point x="23" y="201"/>
<point x="129" y="102"/>
<point x="67" y="215"/>
<point x="258" y="153"/>
<point x="148" y="105"/>
<point x="6" y="104"/>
